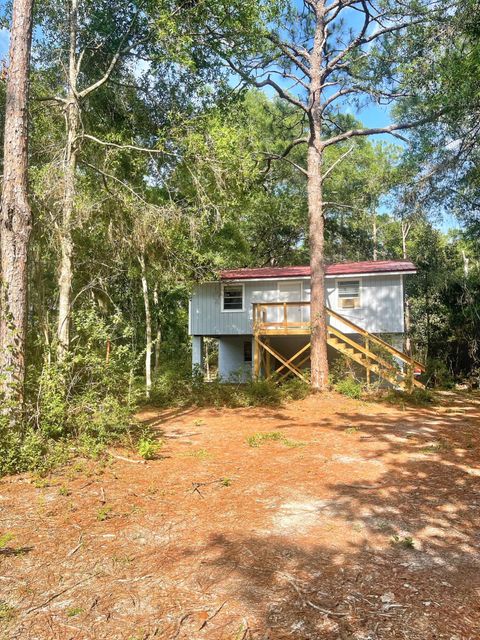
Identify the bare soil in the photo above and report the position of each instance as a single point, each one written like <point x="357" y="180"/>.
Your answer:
<point x="362" y="522"/>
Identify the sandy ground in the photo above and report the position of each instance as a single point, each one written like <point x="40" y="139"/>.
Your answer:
<point x="305" y="537"/>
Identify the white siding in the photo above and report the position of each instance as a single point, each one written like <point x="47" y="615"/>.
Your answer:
<point x="231" y="365"/>
<point x="380" y="311"/>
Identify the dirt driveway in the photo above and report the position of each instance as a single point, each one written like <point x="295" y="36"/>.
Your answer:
<point x="354" y="521"/>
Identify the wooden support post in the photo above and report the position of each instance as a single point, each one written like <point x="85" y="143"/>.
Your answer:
<point x="268" y="361"/>
<point x="256" y="358"/>
<point x="367" y="362"/>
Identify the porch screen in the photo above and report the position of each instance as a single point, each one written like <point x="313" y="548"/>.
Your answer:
<point x="349" y="294"/>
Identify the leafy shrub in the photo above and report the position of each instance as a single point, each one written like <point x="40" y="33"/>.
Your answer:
<point x="148" y="448"/>
<point x="177" y="386"/>
<point x="438" y="374"/>
<point x="81" y="405"/>
<point x="416" y="398"/>
<point x="349" y="387"/>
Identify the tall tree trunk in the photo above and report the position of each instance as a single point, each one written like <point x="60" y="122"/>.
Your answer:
<point x="318" y="354"/>
<point x="148" y="327"/>
<point x="375" y="233"/>
<point x="158" y="337"/>
<point x="15" y="213"/>
<point x="72" y="120"/>
<point x="407" y="313"/>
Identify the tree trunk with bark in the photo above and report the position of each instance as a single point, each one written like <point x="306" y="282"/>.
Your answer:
<point x="148" y="327"/>
<point x="72" y="120"/>
<point x="15" y="213"/>
<point x="318" y="353"/>
<point x="407" y="315"/>
<point x="158" y="337"/>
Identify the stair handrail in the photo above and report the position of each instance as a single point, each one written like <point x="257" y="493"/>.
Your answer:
<point x="399" y="354"/>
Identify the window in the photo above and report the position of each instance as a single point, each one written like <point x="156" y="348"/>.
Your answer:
<point x="232" y="297"/>
<point x="349" y="294"/>
<point x="247" y="351"/>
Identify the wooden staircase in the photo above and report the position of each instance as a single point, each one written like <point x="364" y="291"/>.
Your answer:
<point x="292" y="318"/>
<point x="373" y="355"/>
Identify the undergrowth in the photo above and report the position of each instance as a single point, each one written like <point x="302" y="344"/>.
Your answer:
<point x="76" y="407"/>
<point x="350" y="387"/>
<point x="181" y="389"/>
<point x="257" y="439"/>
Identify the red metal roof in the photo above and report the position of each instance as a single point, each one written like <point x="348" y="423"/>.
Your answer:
<point x="337" y="269"/>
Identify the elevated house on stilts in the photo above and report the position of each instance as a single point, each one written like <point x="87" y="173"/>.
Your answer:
<point x="261" y="319"/>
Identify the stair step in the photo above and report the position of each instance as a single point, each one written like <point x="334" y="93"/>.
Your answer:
<point x="393" y="376"/>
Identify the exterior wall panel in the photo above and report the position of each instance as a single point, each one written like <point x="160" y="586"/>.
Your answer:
<point x="380" y="311"/>
<point x="231" y="365"/>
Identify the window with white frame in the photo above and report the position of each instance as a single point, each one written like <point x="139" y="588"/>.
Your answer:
<point x="232" y="297"/>
<point x="348" y="294"/>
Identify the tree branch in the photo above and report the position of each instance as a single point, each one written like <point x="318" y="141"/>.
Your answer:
<point x="267" y="83"/>
<point x="374" y="131"/>
<point x="337" y="162"/>
<point x="122" y="146"/>
<point x="294" y="57"/>
<point x="113" y="62"/>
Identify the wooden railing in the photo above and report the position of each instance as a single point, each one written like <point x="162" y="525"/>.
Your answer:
<point x="284" y="318"/>
<point x="281" y="317"/>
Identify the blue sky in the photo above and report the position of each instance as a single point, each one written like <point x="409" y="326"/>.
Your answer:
<point x="4" y="40"/>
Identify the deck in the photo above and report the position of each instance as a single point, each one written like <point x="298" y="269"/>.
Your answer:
<point x="293" y="318"/>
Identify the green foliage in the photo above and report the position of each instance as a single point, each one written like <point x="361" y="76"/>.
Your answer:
<point x="415" y="398"/>
<point x="257" y="439"/>
<point x="349" y="387"/>
<point x="148" y="448"/>
<point x="5" y="539"/>
<point x="81" y="406"/>
<point x="405" y="543"/>
<point x="7" y="612"/>
<point x="175" y="386"/>
<point x="104" y="513"/>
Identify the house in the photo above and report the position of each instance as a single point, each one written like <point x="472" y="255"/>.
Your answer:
<point x="261" y="318"/>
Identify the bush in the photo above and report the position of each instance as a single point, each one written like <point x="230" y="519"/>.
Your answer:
<point x="148" y="448"/>
<point x="349" y="387"/>
<point x="178" y="387"/>
<point x="79" y="406"/>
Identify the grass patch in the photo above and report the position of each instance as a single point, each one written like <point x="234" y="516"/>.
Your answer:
<point x="352" y="430"/>
<point x="435" y="447"/>
<point x="6" y="611"/>
<point x="415" y="398"/>
<point x="200" y="454"/>
<point x="257" y="439"/>
<point x="175" y="388"/>
<point x="74" y="611"/>
<point x="5" y="539"/>
<point x="349" y="387"/>
<point x="403" y="543"/>
<point x="104" y="513"/>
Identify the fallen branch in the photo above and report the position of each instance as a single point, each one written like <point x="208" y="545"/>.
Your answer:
<point x="213" y="615"/>
<point x="126" y="459"/>
<point x="75" y="549"/>
<point x="326" y="612"/>
<point x="59" y="593"/>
